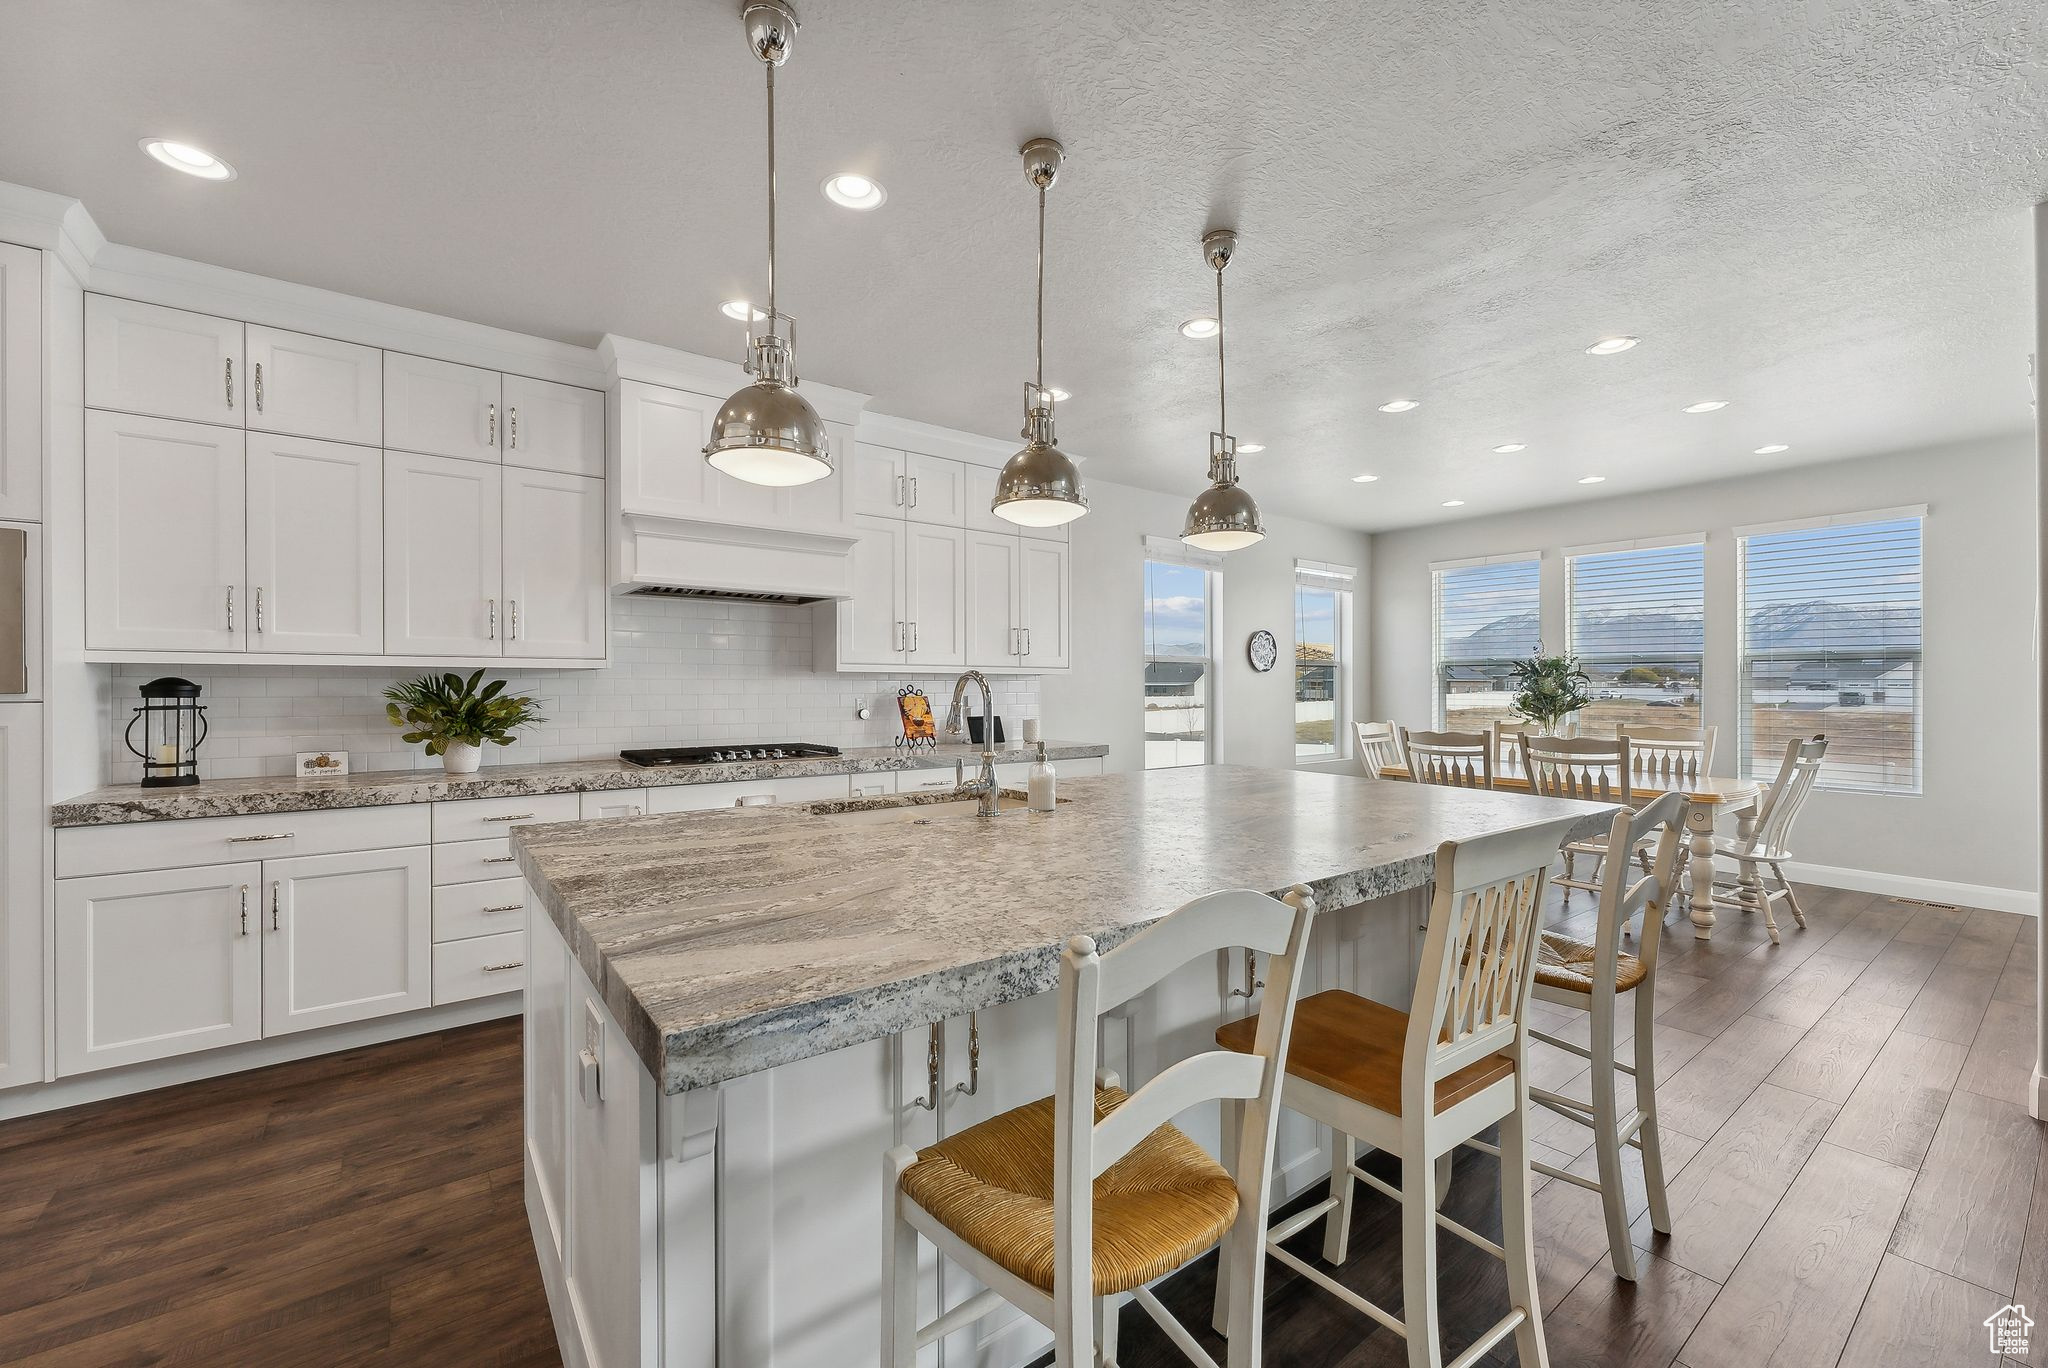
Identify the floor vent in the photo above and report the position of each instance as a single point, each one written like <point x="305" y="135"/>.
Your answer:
<point x="725" y="595"/>
<point x="1922" y="902"/>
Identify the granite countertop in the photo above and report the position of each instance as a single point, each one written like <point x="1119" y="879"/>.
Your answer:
<point x="730" y="942"/>
<point x="381" y="788"/>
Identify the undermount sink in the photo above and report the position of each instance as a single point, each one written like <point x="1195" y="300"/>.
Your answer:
<point x="915" y="808"/>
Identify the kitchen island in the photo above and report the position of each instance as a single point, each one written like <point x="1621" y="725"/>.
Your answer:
<point x="732" y="1015"/>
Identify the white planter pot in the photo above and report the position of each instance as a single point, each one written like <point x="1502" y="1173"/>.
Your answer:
<point x="461" y="759"/>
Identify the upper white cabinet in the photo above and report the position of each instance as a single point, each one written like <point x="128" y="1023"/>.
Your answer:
<point x="871" y="629"/>
<point x="553" y="427"/>
<point x="23" y="819"/>
<point x="21" y="383"/>
<point x="164" y="534"/>
<point x="887" y="483"/>
<point x="994" y="617"/>
<point x="169" y="363"/>
<point x="554" y="565"/>
<point x="314" y="387"/>
<point x="443" y="549"/>
<point x="316" y="546"/>
<point x="346" y="937"/>
<point x="437" y="408"/>
<point x="935" y="595"/>
<point x="663" y="473"/>
<point x="876" y="477"/>
<point x="1046" y="605"/>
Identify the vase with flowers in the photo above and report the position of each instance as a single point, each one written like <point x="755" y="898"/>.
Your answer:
<point x="1549" y="690"/>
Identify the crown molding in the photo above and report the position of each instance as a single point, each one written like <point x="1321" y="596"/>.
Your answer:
<point x="908" y="434"/>
<point x="627" y="358"/>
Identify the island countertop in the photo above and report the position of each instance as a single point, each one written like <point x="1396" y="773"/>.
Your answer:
<point x="730" y="942"/>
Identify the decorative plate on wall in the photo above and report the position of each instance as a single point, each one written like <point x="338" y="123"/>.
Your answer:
<point x="1262" y="650"/>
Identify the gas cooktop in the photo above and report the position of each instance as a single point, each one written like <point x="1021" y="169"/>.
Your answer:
<point x="726" y="755"/>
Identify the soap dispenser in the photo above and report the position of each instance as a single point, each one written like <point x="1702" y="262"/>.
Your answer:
<point x="1039" y="786"/>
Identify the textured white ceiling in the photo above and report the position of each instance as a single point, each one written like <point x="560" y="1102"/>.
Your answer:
<point x="1814" y="210"/>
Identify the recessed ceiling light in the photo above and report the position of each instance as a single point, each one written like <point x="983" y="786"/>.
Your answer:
<point x="741" y="311"/>
<point x="193" y="161"/>
<point x="1454" y="503"/>
<point x="1250" y="448"/>
<point x="1400" y="405"/>
<point x="1199" y="327"/>
<point x="1363" y="479"/>
<point x="1608" y="346"/>
<point x="1510" y="448"/>
<point x="1773" y="449"/>
<point x="852" y="191"/>
<point x="1706" y="406"/>
<point x="1591" y="479"/>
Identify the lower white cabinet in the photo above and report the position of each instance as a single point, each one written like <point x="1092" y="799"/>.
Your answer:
<point x="479" y="966"/>
<point x="813" y="788"/>
<point x="157" y="964"/>
<point x="23" y="820"/>
<point x="345" y="937"/>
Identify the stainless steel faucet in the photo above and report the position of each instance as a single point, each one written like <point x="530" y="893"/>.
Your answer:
<point x="984" y="786"/>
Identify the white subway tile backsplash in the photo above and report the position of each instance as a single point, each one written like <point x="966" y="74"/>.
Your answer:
<point x="684" y="673"/>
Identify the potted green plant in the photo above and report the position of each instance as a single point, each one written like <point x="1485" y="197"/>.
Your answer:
<point x="453" y="718"/>
<point x="1549" y="689"/>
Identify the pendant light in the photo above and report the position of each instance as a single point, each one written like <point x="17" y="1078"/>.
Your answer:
<point x="767" y="433"/>
<point x="1223" y="517"/>
<point x="1039" y="486"/>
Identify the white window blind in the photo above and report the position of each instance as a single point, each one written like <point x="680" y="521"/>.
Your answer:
<point x="1322" y="666"/>
<point x="1635" y="618"/>
<point x="1488" y="616"/>
<point x="1831" y="643"/>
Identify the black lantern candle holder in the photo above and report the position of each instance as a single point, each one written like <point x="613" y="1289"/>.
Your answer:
<point x="173" y="724"/>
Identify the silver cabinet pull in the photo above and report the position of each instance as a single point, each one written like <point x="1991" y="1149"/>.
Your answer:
<point x="267" y="836"/>
<point x="899" y="636"/>
<point x="512" y="817"/>
<point x="902" y="491"/>
<point x="512" y="427"/>
<point x="494" y="619"/>
<point x="913" y="491"/>
<point x="231" y="607"/>
<point x="501" y="968"/>
<point x="276" y="887"/>
<point x="502" y="907"/>
<point x="230" y="381"/>
<point x="245" y="909"/>
<point x="1027" y="641"/>
<point x="514" y="633"/>
<point x="259" y="387"/>
<point x="259" y="610"/>
<point x="913" y="638"/>
<point x="501" y="859"/>
<point x="491" y="411"/>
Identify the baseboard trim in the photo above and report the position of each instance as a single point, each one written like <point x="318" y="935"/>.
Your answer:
<point x="256" y="1054"/>
<point x="1907" y="886"/>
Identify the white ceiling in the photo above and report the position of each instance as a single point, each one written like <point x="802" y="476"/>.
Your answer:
<point x="1815" y="210"/>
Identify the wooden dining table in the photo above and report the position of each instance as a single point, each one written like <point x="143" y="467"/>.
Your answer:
<point x="1706" y="799"/>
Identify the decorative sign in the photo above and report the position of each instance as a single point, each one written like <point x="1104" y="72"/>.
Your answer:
<point x="919" y="727"/>
<point x="322" y="764"/>
<point x="1262" y="650"/>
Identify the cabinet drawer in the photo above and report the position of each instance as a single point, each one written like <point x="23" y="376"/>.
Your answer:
<point x="469" y="861"/>
<point x="873" y="785"/>
<point x="479" y="909"/>
<point x="612" y="803"/>
<point x="475" y="818"/>
<point x="704" y="797"/>
<point x="218" y="840"/>
<point x="479" y="967"/>
<point x="921" y="780"/>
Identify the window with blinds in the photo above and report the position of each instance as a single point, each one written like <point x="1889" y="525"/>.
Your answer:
<point x="1634" y="617"/>
<point x="1182" y="589"/>
<point x="1322" y="660"/>
<point x="1830" y="623"/>
<point x="1489" y="615"/>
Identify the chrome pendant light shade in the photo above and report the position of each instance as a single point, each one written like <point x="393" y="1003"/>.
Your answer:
<point x="767" y="433"/>
<point x="1039" y="486"/>
<point x="1223" y="517"/>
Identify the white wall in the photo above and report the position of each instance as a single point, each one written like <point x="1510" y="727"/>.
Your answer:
<point x="1976" y="819"/>
<point x="1252" y="713"/>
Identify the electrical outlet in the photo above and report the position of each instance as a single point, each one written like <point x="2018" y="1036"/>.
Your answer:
<point x="590" y="1059"/>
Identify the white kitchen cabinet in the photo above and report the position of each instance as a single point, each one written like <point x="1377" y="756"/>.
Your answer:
<point x="307" y="386"/>
<point x="438" y="408"/>
<point x="21" y="383"/>
<point x="484" y="908"/>
<point x="663" y="472"/>
<point x="157" y="964"/>
<point x="876" y="474"/>
<point x="994" y="584"/>
<point x="554" y="586"/>
<point x="935" y="595"/>
<point x="938" y="490"/>
<point x="1045" y="604"/>
<point x="873" y="625"/>
<point x="443" y="556"/>
<point x="164" y="534"/>
<point x="480" y="966"/>
<point x="23" y="819"/>
<point x="475" y="819"/>
<point x="316" y="546"/>
<point x="808" y="788"/>
<point x="978" y="493"/>
<point x="167" y="363"/>
<point x="553" y="427"/>
<point x="345" y="937"/>
<point x="601" y="803"/>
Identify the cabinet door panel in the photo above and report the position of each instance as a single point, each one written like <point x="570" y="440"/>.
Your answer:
<point x="310" y="386"/>
<point x="872" y="627"/>
<point x="978" y="491"/>
<point x="164" y="542"/>
<point x="1045" y="604"/>
<point x="443" y="546"/>
<point x="553" y="427"/>
<point x="21" y="383"/>
<point x="877" y="474"/>
<point x="661" y="450"/>
<point x="992" y="589"/>
<point x="554" y="565"/>
<point x="936" y="578"/>
<point x="938" y="490"/>
<point x="346" y="937"/>
<point x="22" y="819"/>
<point x="438" y="408"/>
<point x="169" y="363"/>
<point x="154" y="965"/>
<point x="316" y="546"/>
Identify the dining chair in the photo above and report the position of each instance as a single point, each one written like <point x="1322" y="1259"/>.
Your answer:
<point x="1667" y="759"/>
<point x="1060" y="1205"/>
<point x="1379" y="746"/>
<point x="1768" y="843"/>
<point x="1452" y="759"/>
<point x="1419" y="1083"/>
<point x="1507" y="744"/>
<point x="1586" y="767"/>
<point x="1596" y="977"/>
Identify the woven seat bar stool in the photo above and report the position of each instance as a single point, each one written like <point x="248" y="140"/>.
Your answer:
<point x="1062" y="1204"/>
<point x="1452" y="759"/>
<point x="1419" y="1083"/>
<point x="1593" y="768"/>
<point x="1597" y="978"/>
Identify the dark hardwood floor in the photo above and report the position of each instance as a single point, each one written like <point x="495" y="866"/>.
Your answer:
<point x="1855" y="1181"/>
